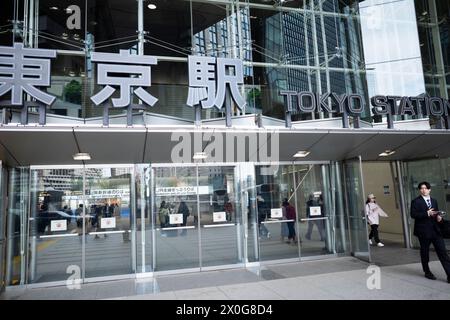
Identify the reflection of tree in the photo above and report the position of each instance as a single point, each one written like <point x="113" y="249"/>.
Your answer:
<point x="254" y="98"/>
<point x="72" y="92"/>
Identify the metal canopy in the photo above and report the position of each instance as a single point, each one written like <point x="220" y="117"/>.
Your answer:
<point x="34" y="145"/>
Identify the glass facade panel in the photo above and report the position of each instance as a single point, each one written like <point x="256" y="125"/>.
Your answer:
<point x="176" y="216"/>
<point x="110" y="224"/>
<point x="141" y="219"/>
<point x="329" y="46"/>
<point x="56" y="224"/>
<point x="17" y="234"/>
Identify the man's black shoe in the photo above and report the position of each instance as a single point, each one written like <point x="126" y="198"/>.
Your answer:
<point x="430" y="276"/>
<point x="448" y="279"/>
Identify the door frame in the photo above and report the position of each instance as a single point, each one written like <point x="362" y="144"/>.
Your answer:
<point x="201" y="267"/>
<point x="358" y="161"/>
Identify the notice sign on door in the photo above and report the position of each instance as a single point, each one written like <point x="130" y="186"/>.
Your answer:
<point x="276" y="213"/>
<point x="219" y="216"/>
<point x="106" y="223"/>
<point x="176" y="218"/>
<point x="58" y="225"/>
<point x="315" y="212"/>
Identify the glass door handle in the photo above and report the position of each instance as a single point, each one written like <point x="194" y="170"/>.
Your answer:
<point x="277" y="221"/>
<point x="313" y="219"/>
<point x="176" y="228"/>
<point x="58" y="235"/>
<point x="219" y="225"/>
<point x="109" y="232"/>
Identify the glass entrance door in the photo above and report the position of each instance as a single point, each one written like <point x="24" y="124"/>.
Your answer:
<point x="197" y="217"/>
<point x="56" y="234"/>
<point x="355" y="197"/>
<point x="175" y="216"/>
<point x="220" y="216"/>
<point x="278" y="233"/>
<point x="80" y="223"/>
<point x="109" y="241"/>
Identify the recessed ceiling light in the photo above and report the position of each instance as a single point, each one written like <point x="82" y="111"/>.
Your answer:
<point x="81" y="156"/>
<point x="386" y="153"/>
<point x="200" y="156"/>
<point x="301" y="154"/>
<point x="151" y="6"/>
<point x="54" y="8"/>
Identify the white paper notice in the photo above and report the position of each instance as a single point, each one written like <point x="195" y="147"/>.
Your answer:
<point x="315" y="211"/>
<point x="276" y="213"/>
<point x="176" y="218"/>
<point x="58" y="225"/>
<point x="106" y="223"/>
<point x="219" y="216"/>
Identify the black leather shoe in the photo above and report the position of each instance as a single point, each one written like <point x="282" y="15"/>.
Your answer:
<point x="448" y="279"/>
<point x="430" y="276"/>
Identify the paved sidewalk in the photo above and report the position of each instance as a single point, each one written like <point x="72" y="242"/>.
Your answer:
<point x="338" y="279"/>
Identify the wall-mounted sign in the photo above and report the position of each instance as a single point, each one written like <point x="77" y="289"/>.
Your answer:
<point x="106" y="223"/>
<point x="176" y="218"/>
<point x="315" y="211"/>
<point x="386" y="190"/>
<point x="58" y="225"/>
<point x="181" y="191"/>
<point x="276" y="213"/>
<point x="355" y="104"/>
<point x="219" y="216"/>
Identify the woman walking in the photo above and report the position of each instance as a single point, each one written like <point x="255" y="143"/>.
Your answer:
<point x="373" y="213"/>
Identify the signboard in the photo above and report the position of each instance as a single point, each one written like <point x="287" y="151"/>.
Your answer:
<point x="106" y="223"/>
<point x="386" y="190"/>
<point x="315" y="211"/>
<point x="219" y="216"/>
<point x="101" y="194"/>
<point x="58" y="225"/>
<point x="181" y="191"/>
<point x="276" y="213"/>
<point x="176" y="218"/>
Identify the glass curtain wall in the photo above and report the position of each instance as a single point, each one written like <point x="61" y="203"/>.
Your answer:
<point x="3" y="194"/>
<point x="17" y="226"/>
<point x="94" y="222"/>
<point x="309" y="45"/>
<point x="73" y="222"/>
<point x="305" y="227"/>
<point x="285" y="45"/>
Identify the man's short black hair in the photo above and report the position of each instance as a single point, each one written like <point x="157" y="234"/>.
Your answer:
<point x="424" y="183"/>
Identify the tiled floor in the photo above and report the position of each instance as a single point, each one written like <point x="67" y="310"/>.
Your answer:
<point x="336" y="278"/>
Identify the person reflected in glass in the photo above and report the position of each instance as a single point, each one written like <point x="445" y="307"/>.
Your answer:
<point x="315" y="209"/>
<point x="184" y="210"/>
<point x="373" y="214"/>
<point x="290" y="215"/>
<point x="163" y="215"/>
<point x="229" y="210"/>
<point x="262" y="215"/>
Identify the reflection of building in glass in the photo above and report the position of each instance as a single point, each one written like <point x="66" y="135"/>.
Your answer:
<point x="314" y="42"/>
<point x="218" y="41"/>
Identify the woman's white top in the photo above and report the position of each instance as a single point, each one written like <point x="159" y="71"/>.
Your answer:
<point x="373" y="212"/>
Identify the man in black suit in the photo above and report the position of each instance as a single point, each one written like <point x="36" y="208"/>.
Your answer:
<point x="424" y="210"/>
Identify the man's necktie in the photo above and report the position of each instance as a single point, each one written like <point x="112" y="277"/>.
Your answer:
<point x="429" y="203"/>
